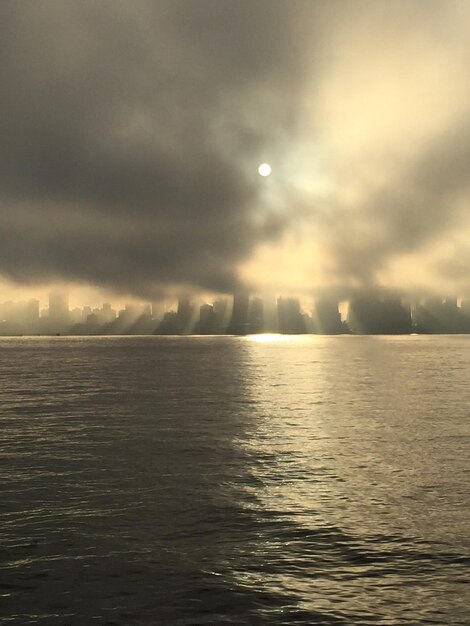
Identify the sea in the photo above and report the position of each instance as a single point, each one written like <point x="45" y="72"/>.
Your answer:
<point x="259" y="480"/>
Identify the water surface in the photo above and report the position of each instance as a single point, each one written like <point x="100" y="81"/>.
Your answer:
<point x="225" y="480"/>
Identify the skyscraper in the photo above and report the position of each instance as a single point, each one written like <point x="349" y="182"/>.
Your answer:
<point x="59" y="315"/>
<point x="291" y="320"/>
<point x="327" y="318"/>
<point x="239" y="322"/>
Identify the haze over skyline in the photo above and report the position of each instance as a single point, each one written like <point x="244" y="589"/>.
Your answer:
<point x="132" y="133"/>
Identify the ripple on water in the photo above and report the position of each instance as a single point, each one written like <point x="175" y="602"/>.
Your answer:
<point x="158" y="480"/>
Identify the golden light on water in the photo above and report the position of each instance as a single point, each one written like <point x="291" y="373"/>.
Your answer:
<point x="270" y="338"/>
<point x="266" y="337"/>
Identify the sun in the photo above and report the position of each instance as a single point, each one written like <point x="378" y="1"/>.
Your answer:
<point x="264" y="169"/>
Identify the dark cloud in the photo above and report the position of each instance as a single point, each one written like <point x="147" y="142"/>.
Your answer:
<point x="130" y="136"/>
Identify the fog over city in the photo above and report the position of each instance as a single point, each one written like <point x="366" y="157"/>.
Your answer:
<point x="132" y="132"/>
<point x="234" y="312"/>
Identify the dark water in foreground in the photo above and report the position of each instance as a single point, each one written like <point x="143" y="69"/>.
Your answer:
<point x="185" y="481"/>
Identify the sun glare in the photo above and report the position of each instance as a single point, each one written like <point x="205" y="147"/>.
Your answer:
<point x="264" y="169"/>
<point x="268" y="337"/>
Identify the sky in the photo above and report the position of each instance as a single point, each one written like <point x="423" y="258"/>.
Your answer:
<point x="131" y="132"/>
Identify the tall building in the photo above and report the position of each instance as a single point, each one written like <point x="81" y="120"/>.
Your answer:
<point x="31" y="314"/>
<point x="108" y="314"/>
<point x="434" y="315"/>
<point x="59" y="315"/>
<point x="291" y="320"/>
<point x="207" y="320"/>
<point x="370" y="315"/>
<point x="185" y="316"/>
<point x="239" y="321"/>
<point x="327" y="318"/>
<point x="168" y="325"/>
<point x="222" y="313"/>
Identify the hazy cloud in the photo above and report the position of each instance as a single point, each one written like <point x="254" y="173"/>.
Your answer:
<point x="130" y="135"/>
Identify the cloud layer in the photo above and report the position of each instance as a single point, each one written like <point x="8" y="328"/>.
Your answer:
<point x="131" y="132"/>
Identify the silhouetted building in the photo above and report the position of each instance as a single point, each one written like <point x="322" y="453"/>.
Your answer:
<point x="31" y="313"/>
<point x="465" y="307"/>
<point x="185" y="316"/>
<point x="450" y="303"/>
<point x="239" y="321"/>
<point x="18" y="318"/>
<point x="369" y="315"/>
<point x="465" y="314"/>
<point x="206" y="325"/>
<point x="222" y="313"/>
<point x="86" y="311"/>
<point x="76" y="316"/>
<point x="22" y="317"/>
<point x="291" y="319"/>
<point x="435" y="315"/>
<point x="168" y="325"/>
<point x="125" y="319"/>
<point x="107" y="313"/>
<point x="327" y="318"/>
<point x="59" y="317"/>
<point x="143" y="325"/>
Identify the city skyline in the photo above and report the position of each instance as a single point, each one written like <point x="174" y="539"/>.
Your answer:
<point x="234" y="312"/>
<point x="241" y="314"/>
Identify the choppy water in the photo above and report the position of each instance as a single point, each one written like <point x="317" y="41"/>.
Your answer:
<point x="185" y="481"/>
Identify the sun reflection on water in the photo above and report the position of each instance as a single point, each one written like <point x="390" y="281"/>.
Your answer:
<point x="272" y="337"/>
